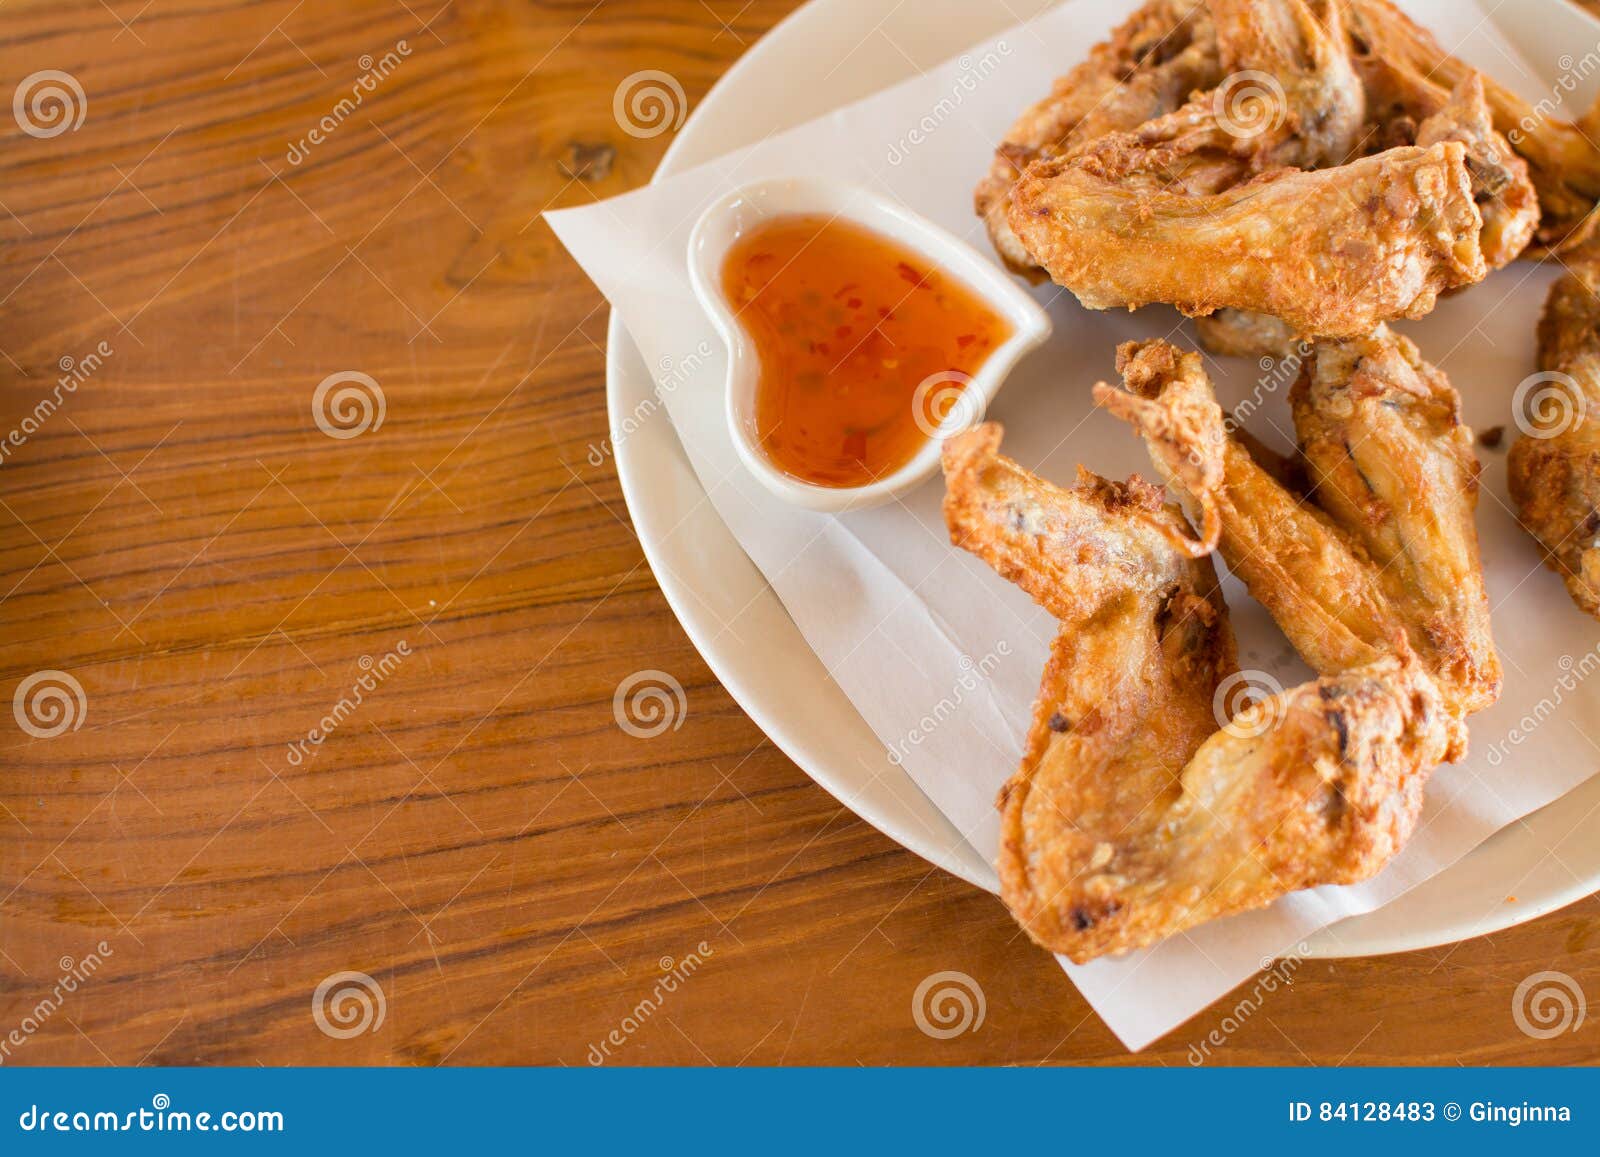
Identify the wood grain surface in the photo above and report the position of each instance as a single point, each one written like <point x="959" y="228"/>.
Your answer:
<point x="477" y="834"/>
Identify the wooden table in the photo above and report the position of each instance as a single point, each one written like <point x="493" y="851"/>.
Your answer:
<point x="476" y="835"/>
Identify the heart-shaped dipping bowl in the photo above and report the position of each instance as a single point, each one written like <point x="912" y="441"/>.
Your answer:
<point x="735" y="215"/>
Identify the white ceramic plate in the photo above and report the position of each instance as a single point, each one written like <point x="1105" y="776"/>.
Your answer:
<point x="827" y="54"/>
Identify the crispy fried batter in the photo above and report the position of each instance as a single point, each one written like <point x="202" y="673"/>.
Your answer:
<point x="1554" y="471"/>
<point x="1302" y="46"/>
<point x="1289" y="99"/>
<point x="1332" y="252"/>
<point x="1395" y="469"/>
<point x="1501" y="185"/>
<point x="1190" y="101"/>
<point x="1320" y="587"/>
<point x="1403" y="66"/>
<point x="1151" y="64"/>
<point x="1205" y="207"/>
<point x="1132" y="817"/>
<point x="1386" y="557"/>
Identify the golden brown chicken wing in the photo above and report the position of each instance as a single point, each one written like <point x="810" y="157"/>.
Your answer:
<point x="1393" y="466"/>
<point x="1554" y="469"/>
<point x="1501" y="184"/>
<point x="1334" y="252"/>
<point x="1501" y="188"/>
<point x="1508" y="210"/>
<point x="1191" y="101"/>
<point x="1401" y="64"/>
<point x="1116" y="218"/>
<point x="1132" y="816"/>
<point x="1151" y="64"/>
<point x="1384" y="558"/>
<point x="1322" y="591"/>
<point x="1289" y="98"/>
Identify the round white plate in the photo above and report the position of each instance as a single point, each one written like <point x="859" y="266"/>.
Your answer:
<point x="827" y="54"/>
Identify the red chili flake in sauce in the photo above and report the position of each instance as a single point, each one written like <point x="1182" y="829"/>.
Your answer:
<point x="835" y="403"/>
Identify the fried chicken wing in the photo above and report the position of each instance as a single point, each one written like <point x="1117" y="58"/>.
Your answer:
<point x="1151" y="64"/>
<point x="1554" y="469"/>
<point x="1314" y="105"/>
<point x="1132" y="816"/>
<point x="1318" y="586"/>
<point x="1501" y="185"/>
<point x="1393" y="466"/>
<point x="1147" y="100"/>
<point x="1160" y="142"/>
<point x="1403" y="66"/>
<point x="1206" y="206"/>
<point x="1385" y="558"/>
<point x="1326" y="795"/>
<point x="1289" y="98"/>
<point x="1332" y="252"/>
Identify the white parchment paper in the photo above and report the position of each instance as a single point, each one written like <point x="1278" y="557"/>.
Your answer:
<point x="940" y="656"/>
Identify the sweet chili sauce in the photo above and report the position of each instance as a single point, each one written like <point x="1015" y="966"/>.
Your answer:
<point x="847" y="325"/>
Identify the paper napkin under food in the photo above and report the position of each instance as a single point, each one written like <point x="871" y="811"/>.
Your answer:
<point x="904" y="622"/>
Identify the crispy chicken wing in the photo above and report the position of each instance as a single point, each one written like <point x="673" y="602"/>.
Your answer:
<point x="1189" y="101"/>
<point x="1313" y="109"/>
<point x="1317" y="584"/>
<point x="1406" y="106"/>
<point x="1554" y="469"/>
<point x="1151" y="64"/>
<point x="1132" y="816"/>
<point x="1289" y="98"/>
<point x="1334" y="252"/>
<point x="1385" y="558"/>
<point x="1293" y="100"/>
<point x="1393" y="466"/>
<point x="1501" y="185"/>
<point x="1506" y="202"/>
<point x="1404" y="67"/>
<point x="1107" y="217"/>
